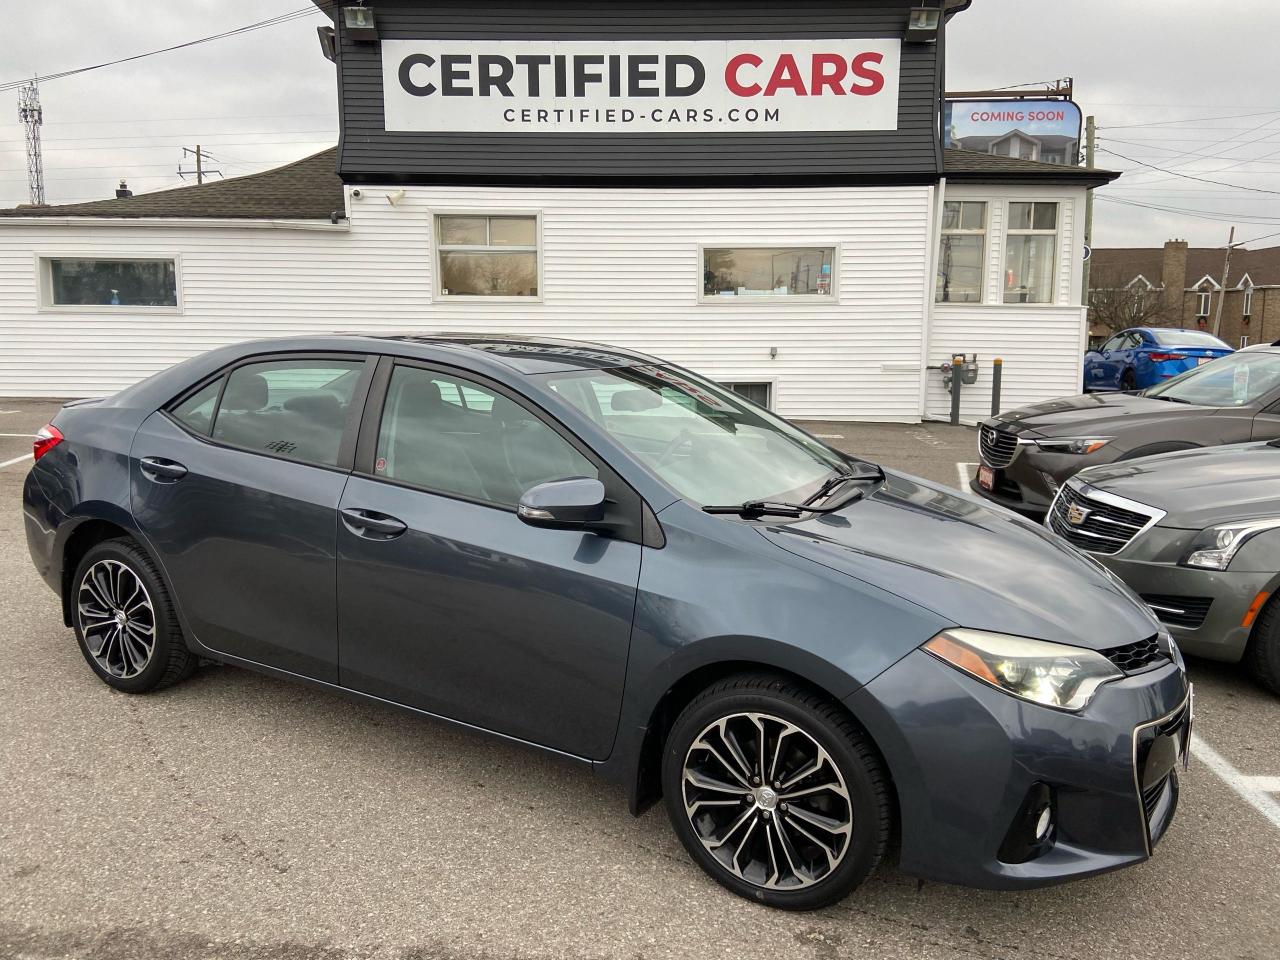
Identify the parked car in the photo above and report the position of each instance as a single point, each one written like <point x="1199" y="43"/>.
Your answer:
<point x="1028" y="453"/>
<point x="1197" y="534"/>
<point x="1146" y="356"/>
<point x="611" y="558"/>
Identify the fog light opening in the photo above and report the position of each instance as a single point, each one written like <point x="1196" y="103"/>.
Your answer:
<point x="1044" y="823"/>
<point x="1032" y="832"/>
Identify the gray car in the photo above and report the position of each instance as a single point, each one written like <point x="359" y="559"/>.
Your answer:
<point x="606" y="556"/>
<point x="1197" y="534"/>
<point x="1029" y="452"/>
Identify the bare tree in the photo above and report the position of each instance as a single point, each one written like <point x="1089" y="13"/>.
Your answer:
<point x="1117" y="302"/>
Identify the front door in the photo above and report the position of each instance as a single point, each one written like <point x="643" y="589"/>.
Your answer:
<point x="236" y="488"/>
<point x="450" y="603"/>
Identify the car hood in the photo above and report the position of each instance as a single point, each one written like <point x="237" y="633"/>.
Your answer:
<point x="1197" y="488"/>
<point x="979" y="566"/>
<point x="1094" y="413"/>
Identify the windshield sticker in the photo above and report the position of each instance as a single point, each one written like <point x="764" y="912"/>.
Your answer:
<point x="1240" y="384"/>
<point x="689" y="388"/>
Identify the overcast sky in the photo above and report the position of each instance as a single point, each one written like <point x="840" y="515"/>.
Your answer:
<point x="268" y="96"/>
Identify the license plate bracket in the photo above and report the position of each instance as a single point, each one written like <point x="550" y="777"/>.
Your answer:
<point x="986" y="477"/>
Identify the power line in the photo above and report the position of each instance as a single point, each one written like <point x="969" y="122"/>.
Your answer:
<point x="270" y="22"/>
<point x="1198" y="214"/>
<point x="1162" y="123"/>
<point x="1187" y="176"/>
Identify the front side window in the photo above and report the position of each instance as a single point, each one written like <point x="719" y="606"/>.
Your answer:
<point x="456" y="437"/>
<point x="487" y="256"/>
<point x="110" y="283"/>
<point x="1031" y="252"/>
<point x="295" y="409"/>
<point x="1231" y="381"/>
<point x="962" y="253"/>
<point x="768" y="271"/>
<point x="701" y="439"/>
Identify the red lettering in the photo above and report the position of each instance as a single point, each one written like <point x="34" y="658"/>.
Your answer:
<point x="873" y="77"/>
<point x="785" y="75"/>
<point x="731" y="75"/>
<point x="828" y="73"/>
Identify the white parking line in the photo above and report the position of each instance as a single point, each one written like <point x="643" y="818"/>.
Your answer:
<point x="3" y="412"/>
<point x="10" y="463"/>
<point x="964" y="474"/>
<point x="1247" y="788"/>
<point x="17" y="434"/>
<point x="1265" y="784"/>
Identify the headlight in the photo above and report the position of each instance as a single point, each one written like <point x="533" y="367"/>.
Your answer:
<point x="1052" y="674"/>
<point x="1215" y="546"/>
<point x="1079" y="445"/>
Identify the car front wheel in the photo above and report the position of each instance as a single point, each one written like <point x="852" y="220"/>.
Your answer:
<point x="776" y="792"/>
<point x="124" y="620"/>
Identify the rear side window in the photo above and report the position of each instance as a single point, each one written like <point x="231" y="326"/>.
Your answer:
<point x="291" y="408"/>
<point x="196" y="412"/>
<point x="456" y="437"/>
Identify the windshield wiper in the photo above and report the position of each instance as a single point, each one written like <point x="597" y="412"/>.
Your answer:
<point x="1161" y="396"/>
<point x="754" y="509"/>
<point x="840" y="479"/>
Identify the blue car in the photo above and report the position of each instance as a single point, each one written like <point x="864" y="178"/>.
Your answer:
<point x="1145" y="356"/>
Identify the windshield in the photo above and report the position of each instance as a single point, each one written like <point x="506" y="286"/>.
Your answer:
<point x="1187" y="338"/>
<point x="707" y="443"/>
<point x="1230" y="381"/>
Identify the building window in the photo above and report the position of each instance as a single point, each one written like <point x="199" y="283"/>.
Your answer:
<point x="1244" y="342"/>
<point x="1248" y="301"/>
<point x="962" y="254"/>
<point x="768" y="271"/>
<point x="758" y="393"/>
<point x="1031" y="252"/>
<point x="487" y="256"/>
<point x="1203" y="299"/>
<point x="110" y="283"/>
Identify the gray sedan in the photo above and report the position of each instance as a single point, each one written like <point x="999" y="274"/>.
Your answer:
<point x="1197" y="535"/>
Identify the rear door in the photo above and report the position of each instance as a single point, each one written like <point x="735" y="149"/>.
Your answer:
<point x="236" y="487"/>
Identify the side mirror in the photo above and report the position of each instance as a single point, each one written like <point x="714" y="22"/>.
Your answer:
<point x="563" y="504"/>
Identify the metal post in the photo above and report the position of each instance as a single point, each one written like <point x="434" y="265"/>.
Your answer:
<point x="957" y="364"/>
<point x="997" y="367"/>
<point x="1090" y="146"/>
<point x="1226" y="270"/>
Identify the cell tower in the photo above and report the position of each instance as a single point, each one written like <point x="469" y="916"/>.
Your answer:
<point x="32" y="116"/>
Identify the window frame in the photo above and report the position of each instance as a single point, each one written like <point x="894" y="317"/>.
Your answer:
<point x="1056" y="233"/>
<point x="350" y="430"/>
<point x="984" y="261"/>
<point x="44" y="283"/>
<point x="824" y="298"/>
<point x="1246" y="307"/>
<point x="437" y="248"/>
<point x="625" y="507"/>
<point x="1204" y="303"/>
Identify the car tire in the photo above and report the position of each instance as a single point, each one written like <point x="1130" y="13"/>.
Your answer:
<point x="765" y="842"/>
<point x="1128" y="381"/>
<point x="125" y="622"/>
<point x="1262" y="656"/>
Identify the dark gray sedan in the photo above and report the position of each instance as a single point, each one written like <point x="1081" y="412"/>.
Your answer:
<point x="1197" y="534"/>
<point x="609" y="557"/>
<point x="1027" y="453"/>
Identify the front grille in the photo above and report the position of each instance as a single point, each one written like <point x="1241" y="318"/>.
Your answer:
<point x="1179" y="611"/>
<point x="1133" y="657"/>
<point x="1104" y="528"/>
<point x="996" y="448"/>
<point x="1151" y="795"/>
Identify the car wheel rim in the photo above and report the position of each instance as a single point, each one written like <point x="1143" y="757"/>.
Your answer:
<point x="767" y="801"/>
<point x="117" y="620"/>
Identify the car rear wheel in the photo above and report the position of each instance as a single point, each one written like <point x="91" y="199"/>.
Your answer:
<point x="1128" y="381"/>
<point x="124" y="620"/>
<point x="776" y="792"/>
<point x="1262" y="657"/>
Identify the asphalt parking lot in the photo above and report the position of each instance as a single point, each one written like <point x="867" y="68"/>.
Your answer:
<point x="236" y="816"/>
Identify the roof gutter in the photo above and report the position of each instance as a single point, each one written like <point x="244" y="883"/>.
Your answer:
<point x="227" y="223"/>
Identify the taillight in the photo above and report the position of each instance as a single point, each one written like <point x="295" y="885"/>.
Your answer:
<point x="1161" y="357"/>
<point x="47" y="438"/>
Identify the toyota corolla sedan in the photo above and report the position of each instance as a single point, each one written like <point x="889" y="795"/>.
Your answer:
<point x="606" y="556"/>
<point x="1028" y="453"/>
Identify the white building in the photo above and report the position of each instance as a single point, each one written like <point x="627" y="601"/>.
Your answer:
<point x="834" y="294"/>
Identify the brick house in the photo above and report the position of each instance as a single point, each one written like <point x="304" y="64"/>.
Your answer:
<point x="1186" y="283"/>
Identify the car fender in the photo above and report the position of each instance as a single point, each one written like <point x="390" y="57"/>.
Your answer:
<point x="1155" y="449"/>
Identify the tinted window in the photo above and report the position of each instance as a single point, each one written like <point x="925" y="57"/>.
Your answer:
<point x="197" y="410"/>
<point x="291" y="408"/>
<point x="447" y="434"/>
<point x="1187" y="338"/>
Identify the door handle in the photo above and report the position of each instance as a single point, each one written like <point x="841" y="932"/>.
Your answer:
<point x="363" y="522"/>
<point x="161" y="470"/>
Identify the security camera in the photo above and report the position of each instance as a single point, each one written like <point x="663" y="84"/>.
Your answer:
<point x="356" y="194"/>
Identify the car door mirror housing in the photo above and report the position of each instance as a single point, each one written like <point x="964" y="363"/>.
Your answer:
<point x="563" y="504"/>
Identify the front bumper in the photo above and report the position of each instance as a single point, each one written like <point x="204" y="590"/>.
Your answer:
<point x="965" y="757"/>
<point x="1028" y="484"/>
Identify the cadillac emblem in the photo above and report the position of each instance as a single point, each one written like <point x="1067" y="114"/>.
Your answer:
<point x="1077" y="514"/>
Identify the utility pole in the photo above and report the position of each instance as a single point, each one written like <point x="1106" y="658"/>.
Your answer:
<point x="1226" y="268"/>
<point x="199" y="172"/>
<point x="32" y="116"/>
<point x="1090" y="143"/>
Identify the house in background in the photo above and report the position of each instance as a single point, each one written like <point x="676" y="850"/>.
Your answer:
<point x="1045" y="148"/>
<point x="1180" y="286"/>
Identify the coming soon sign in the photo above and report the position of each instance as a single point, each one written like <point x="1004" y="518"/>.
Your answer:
<point x="702" y="86"/>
